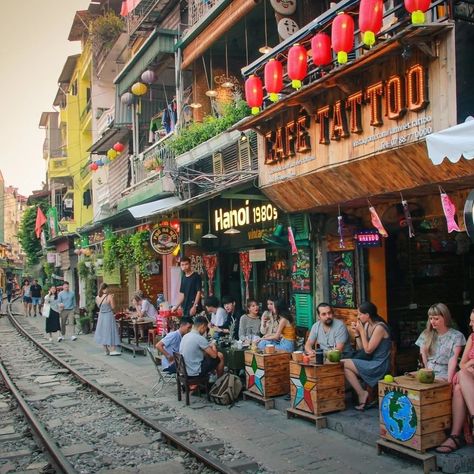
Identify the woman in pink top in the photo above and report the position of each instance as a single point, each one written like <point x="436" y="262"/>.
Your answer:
<point x="463" y="399"/>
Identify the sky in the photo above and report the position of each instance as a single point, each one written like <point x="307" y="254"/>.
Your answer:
<point x="33" y="49"/>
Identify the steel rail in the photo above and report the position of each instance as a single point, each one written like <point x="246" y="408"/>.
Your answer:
<point x="57" y="458"/>
<point x="169" y="435"/>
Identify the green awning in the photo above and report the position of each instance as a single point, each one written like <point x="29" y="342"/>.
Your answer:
<point x="159" y="43"/>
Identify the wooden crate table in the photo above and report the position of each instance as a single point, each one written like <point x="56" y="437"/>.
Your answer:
<point x="414" y="414"/>
<point x="315" y="390"/>
<point x="266" y="376"/>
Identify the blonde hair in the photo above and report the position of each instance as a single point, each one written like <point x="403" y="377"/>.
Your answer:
<point x="431" y="336"/>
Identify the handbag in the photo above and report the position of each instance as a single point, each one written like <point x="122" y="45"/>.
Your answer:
<point x="46" y="310"/>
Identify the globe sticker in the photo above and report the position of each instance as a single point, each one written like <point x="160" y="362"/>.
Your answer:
<point x="399" y="415"/>
<point x="287" y="27"/>
<point x="284" y="7"/>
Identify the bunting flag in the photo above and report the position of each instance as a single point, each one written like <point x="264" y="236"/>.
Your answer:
<point x="40" y="222"/>
<point x="406" y="212"/>
<point x="376" y="222"/>
<point x="449" y="210"/>
<point x="291" y="239"/>
<point x="128" y="6"/>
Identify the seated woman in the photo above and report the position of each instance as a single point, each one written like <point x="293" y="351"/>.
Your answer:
<point x="270" y="320"/>
<point x="285" y="336"/>
<point x="250" y="322"/>
<point x="373" y="337"/>
<point x="463" y="399"/>
<point x="440" y="345"/>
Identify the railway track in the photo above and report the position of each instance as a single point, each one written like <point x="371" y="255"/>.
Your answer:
<point x="85" y="422"/>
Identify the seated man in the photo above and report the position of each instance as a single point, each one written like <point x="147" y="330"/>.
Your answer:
<point x="200" y="356"/>
<point x="218" y="316"/>
<point x="328" y="332"/>
<point x="170" y="344"/>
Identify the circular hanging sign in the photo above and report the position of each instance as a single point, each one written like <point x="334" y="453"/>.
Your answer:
<point x="164" y="239"/>
<point x="284" y="7"/>
<point x="287" y="27"/>
<point x="469" y="215"/>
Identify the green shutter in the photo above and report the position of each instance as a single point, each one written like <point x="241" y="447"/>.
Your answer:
<point x="300" y="225"/>
<point x="304" y="310"/>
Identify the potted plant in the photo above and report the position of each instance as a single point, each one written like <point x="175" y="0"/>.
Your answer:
<point x="85" y="323"/>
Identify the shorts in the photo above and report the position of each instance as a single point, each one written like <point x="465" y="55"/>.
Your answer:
<point x="26" y="299"/>
<point x="208" y="365"/>
<point x="36" y="300"/>
<point x="170" y="369"/>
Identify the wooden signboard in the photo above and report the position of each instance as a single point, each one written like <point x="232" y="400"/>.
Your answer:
<point x="341" y="276"/>
<point x="316" y="389"/>
<point x="414" y="414"/>
<point x="267" y="375"/>
<point x="301" y="271"/>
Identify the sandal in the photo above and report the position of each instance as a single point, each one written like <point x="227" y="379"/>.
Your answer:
<point x="446" y="449"/>
<point x="364" y="405"/>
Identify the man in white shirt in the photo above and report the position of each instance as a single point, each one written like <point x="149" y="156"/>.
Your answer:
<point x="218" y="316"/>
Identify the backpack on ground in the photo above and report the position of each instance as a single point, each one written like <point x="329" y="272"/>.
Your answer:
<point x="226" y="389"/>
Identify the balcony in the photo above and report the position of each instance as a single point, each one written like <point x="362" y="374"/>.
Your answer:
<point x="199" y="9"/>
<point x="57" y="168"/>
<point x="144" y="16"/>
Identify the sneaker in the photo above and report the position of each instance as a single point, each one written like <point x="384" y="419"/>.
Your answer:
<point x="115" y="353"/>
<point x="60" y="338"/>
<point x="73" y="338"/>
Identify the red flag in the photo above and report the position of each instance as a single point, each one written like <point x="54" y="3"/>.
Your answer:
<point x="40" y="222"/>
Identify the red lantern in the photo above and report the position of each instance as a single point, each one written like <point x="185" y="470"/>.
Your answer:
<point x="119" y="147"/>
<point x="321" y="49"/>
<point x="273" y="78"/>
<point x="94" y="166"/>
<point x="174" y="223"/>
<point x="370" y="20"/>
<point x="342" y="36"/>
<point x="417" y="9"/>
<point x="297" y="65"/>
<point x="254" y="93"/>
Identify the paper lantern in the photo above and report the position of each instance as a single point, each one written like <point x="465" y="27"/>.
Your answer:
<point x="370" y="20"/>
<point x="105" y="160"/>
<point x="321" y="49"/>
<point x="148" y="77"/>
<point x="119" y="147"/>
<point x="273" y="78"/>
<point x="93" y="166"/>
<point x="127" y="98"/>
<point x="297" y="65"/>
<point x="111" y="154"/>
<point x="174" y="223"/>
<point x="417" y="9"/>
<point x="100" y="163"/>
<point x="254" y="93"/>
<point x="139" y="88"/>
<point x="342" y="36"/>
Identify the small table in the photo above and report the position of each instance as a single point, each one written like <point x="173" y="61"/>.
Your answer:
<point x="316" y="389"/>
<point x="234" y="358"/>
<point x="134" y="324"/>
<point x="413" y="414"/>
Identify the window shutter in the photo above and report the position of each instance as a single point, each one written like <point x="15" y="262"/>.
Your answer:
<point x="245" y="159"/>
<point x="304" y="310"/>
<point x="217" y="163"/>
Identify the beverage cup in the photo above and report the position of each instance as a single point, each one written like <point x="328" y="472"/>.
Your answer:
<point x="319" y="356"/>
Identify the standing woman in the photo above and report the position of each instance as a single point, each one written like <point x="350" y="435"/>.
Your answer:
<point x="270" y="319"/>
<point x="372" y="337"/>
<point x="284" y="337"/>
<point x="440" y="345"/>
<point x="26" y="296"/>
<point x="52" y="318"/>
<point x="106" y="332"/>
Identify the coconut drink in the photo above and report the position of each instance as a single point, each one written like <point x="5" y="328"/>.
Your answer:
<point x="333" y="355"/>
<point x="425" y="376"/>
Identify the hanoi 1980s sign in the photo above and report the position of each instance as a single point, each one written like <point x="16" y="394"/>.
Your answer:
<point x="164" y="239"/>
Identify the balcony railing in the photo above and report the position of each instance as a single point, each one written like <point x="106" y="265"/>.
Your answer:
<point x="150" y="164"/>
<point x="142" y="16"/>
<point x="199" y="9"/>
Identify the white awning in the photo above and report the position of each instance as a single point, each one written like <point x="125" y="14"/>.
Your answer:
<point x="452" y="143"/>
<point x="155" y="207"/>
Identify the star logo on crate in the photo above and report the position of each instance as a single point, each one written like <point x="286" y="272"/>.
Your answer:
<point x="255" y="376"/>
<point x="303" y="390"/>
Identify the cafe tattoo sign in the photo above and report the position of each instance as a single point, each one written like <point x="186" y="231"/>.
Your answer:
<point x="383" y="115"/>
<point x="164" y="239"/>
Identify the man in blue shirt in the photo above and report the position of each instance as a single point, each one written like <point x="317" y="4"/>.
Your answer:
<point x="67" y="303"/>
<point x="170" y="344"/>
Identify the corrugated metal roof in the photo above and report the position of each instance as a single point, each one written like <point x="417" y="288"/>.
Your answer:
<point x="68" y="69"/>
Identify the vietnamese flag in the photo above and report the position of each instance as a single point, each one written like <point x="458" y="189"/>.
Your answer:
<point x="40" y="222"/>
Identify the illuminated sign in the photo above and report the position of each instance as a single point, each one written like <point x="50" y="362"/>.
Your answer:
<point x="368" y="238"/>
<point x="164" y="239"/>
<point x="391" y="98"/>
<point x="248" y="214"/>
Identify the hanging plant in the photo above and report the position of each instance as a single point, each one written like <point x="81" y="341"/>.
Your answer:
<point x="111" y="256"/>
<point x="141" y="253"/>
<point x="83" y="270"/>
<point x="105" y="29"/>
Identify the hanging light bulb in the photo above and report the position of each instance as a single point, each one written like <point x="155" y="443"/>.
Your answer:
<point x="227" y="83"/>
<point x="265" y="48"/>
<point x="195" y="104"/>
<point x="211" y="92"/>
<point x="209" y="235"/>
<point x="232" y="230"/>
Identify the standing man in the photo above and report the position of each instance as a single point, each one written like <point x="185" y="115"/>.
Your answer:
<point x="67" y="303"/>
<point x="170" y="344"/>
<point x="328" y="332"/>
<point x="200" y="356"/>
<point x="9" y="289"/>
<point x="36" y="297"/>
<point x="190" y="289"/>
